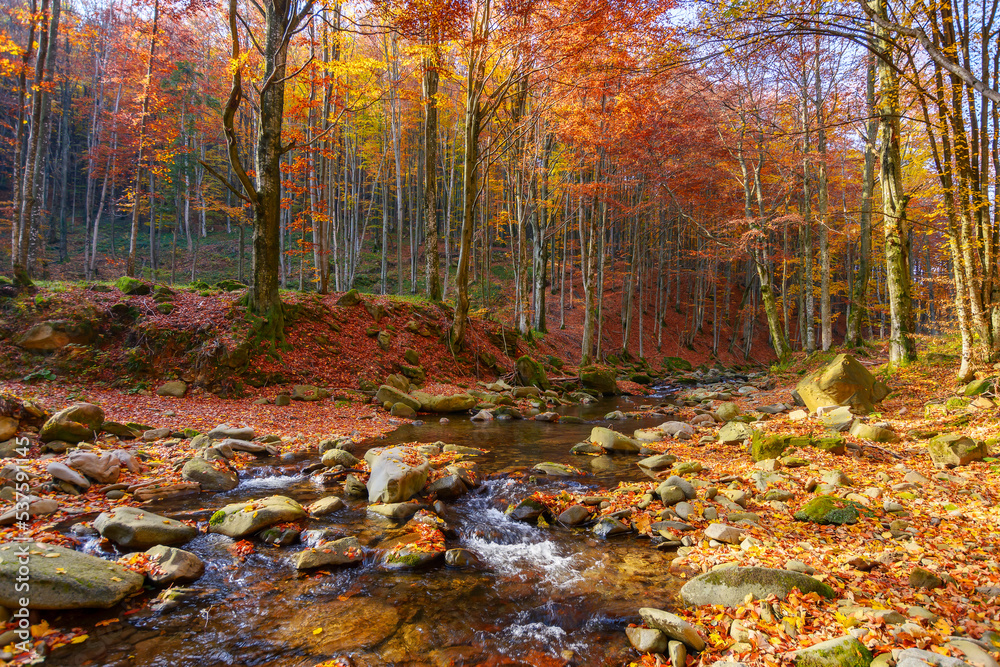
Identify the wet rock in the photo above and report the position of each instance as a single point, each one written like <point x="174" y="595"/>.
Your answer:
<point x="345" y="551"/>
<point x="174" y="388"/>
<point x="556" y="469"/>
<point x="279" y="537"/>
<point x="411" y="551"/>
<point x="398" y="511"/>
<point x="74" y="424"/>
<point x="613" y="441"/>
<point x="530" y="373"/>
<point x="174" y="566"/>
<point x="954" y="449"/>
<point x="843" y="651"/>
<point x="63" y="578"/>
<point x="397" y="474"/>
<point x="608" y="527"/>
<point x="325" y="506"/>
<point x="461" y="558"/>
<point x="139" y="529"/>
<point x="482" y="416"/>
<point x="574" y="515"/>
<point x="647" y="640"/>
<point x="527" y="510"/>
<point x="448" y="487"/>
<point x="729" y="587"/>
<point x="586" y="448"/>
<point x="241" y="519"/>
<point x="354" y="487"/>
<point x="104" y="469"/>
<point x="223" y="431"/>
<point x="673" y="626"/>
<point x="599" y="380"/>
<point x="547" y="417"/>
<point x="339" y="457"/>
<point x="203" y="472"/>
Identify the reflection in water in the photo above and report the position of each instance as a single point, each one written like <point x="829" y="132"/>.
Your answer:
<point x="540" y="595"/>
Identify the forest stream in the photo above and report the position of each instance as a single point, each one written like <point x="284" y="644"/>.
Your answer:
<point x="538" y="596"/>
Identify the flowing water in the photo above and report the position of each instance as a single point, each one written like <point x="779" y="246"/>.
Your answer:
<point x="541" y="596"/>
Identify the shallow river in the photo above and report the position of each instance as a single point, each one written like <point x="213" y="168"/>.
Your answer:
<point x="541" y="596"/>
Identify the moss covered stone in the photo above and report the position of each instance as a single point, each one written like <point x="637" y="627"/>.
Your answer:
<point x="829" y="510"/>
<point x="601" y="380"/>
<point x="730" y="587"/>
<point x="530" y="373"/>
<point x="831" y="444"/>
<point x="764" y="446"/>
<point x="132" y="287"/>
<point x="843" y="651"/>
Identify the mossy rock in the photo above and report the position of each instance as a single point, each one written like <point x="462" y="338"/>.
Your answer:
<point x="349" y="298"/>
<point x="763" y="446"/>
<point x="729" y="587"/>
<point x="844" y="381"/>
<point x="230" y="285"/>
<point x="530" y="373"/>
<point x="601" y="380"/>
<point x="411" y="357"/>
<point x="977" y="387"/>
<point x="830" y="510"/>
<point x="844" y="651"/>
<point x="641" y="378"/>
<point x="956" y="403"/>
<point x="831" y="444"/>
<point x="132" y="287"/>
<point x="677" y="364"/>
<point x="165" y="308"/>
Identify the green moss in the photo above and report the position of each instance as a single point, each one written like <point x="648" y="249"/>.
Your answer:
<point x="832" y="444"/>
<point x="829" y="510"/>
<point x="408" y="559"/>
<point x="217" y="518"/>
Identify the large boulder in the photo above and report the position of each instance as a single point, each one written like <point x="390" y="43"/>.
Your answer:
<point x="133" y="287"/>
<point x="444" y="404"/>
<point x="8" y="427"/>
<point x="174" y="388"/>
<point x="174" y="566"/>
<point x="954" y="449"/>
<point x="48" y="336"/>
<point x="599" y="379"/>
<point x="63" y="578"/>
<point x="74" y="424"/>
<point x="387" y="394"/>
<point x="210" y="478"/>
<point x="729" y="587"/>
<point x="529" y="373"/>
<point x="613" y="441"/>
<point x="308" y="393"/>
<point x="844" y="381"/>
<point x="223" y="431"/>
<point x="397" y="474"/>
<point x="134" y="528"/>
<point x="764" y="446"/>
<point x="240" y="519"/>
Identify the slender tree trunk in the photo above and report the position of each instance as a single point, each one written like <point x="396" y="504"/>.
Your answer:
<point x="134" y="236"/>
<point x="430" y="174"/>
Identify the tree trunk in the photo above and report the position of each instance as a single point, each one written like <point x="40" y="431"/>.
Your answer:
<point x="134" y="236"/>
<point x="430" y="175"/>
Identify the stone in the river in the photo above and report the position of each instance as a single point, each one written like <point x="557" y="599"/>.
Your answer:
<point x="460" y="558"/>
<point x="556" y="469"/>
<point x="672" y="626"/>
<point x="844" y="381"/>
<point x="444" y="404"/>
<point x="74" y="424"/>
<point x="325" y="506"/>
<point x="729" y="587"/>
<point x="139" y="529"/>
<point x="609" y="527"/>
<point x="174" y="566"/>
<point x="411" y="551"/>
<point x="448" y="487"/>
<point x="402" y="410"/>
<point x="396" y="510"/>
<point x="223" y="431"/>
<point x="210" y="478"/>
<point x="574" y="515"/>
<point x="844" y="651"/>
<point x="482" y="416"/>
<point x="527" y="510"/>
<point x="240" y="519"/>
<point x="63" y="578"/>
<point x="599" y="379"/>
<point x="613" y="441"/>
<point x="397" y="474"/>
<point x="647" y="640"/>
<point x="339" y="457"/>
<point x="345" y="551"/>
